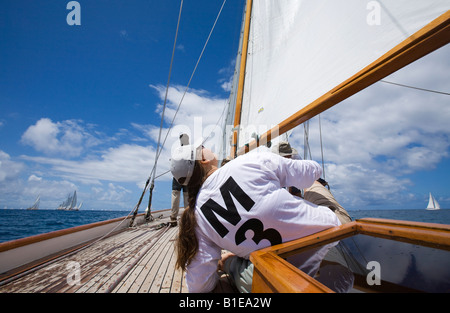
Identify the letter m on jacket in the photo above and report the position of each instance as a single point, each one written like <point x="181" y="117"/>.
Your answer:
<point x="230" y="214"/>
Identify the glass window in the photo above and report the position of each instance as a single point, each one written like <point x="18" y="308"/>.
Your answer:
<point x="362" y="263"/>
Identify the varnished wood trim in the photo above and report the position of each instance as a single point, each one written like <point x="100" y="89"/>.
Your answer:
<point x="240" y="90"/>
<point x="426" y="234"/>
<point x="281" y="276"/>
<point x="410" y="224"/>
<point x="317" y="239"/>
<point x="273" y="274"/>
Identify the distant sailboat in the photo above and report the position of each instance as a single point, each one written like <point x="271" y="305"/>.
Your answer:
<point x="35" y="206"/>
<point x="433" y="204"/>
<point x="70" y="204"/>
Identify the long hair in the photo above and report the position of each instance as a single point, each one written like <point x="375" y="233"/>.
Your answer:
<point x="186" y="244"/>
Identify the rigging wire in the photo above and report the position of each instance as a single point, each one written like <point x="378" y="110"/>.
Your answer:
<point x="417" y="88"/>
<point x="167" y="92"/>
<point x="190" y="80"/>
<point x="192" y="75"/>
<point x="217" y="123"/>
<point x="160" y="146"/>
<point x="306" y="147"/>
<point x="321" y="148"/>
<point x="218" y="120"/>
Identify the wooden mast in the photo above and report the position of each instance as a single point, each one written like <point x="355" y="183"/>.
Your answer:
<point x="240" y="90"/>
<point x="431" y="37"/>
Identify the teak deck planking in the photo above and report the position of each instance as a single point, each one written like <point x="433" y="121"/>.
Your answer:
<point x="136" y="260"/>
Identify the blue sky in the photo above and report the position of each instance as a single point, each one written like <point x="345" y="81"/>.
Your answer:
<point x="80" y="107"/>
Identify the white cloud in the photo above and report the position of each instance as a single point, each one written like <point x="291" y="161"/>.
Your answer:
<point x="124" y="34"/>
<point x="113" y="193"/>
<point x="67" y="138"/>
<point x="181" y="47"/>
<point x="20" y="193"/>
<point x="359" y="185"/>
<point x="9" y="170"/>
<point x="126" y="163"/>
<point x="34" y="178"/>
<point x="226" y="82"/>
<point x="375" y="139"/>
<point x="403" y="129"/>
<point x="372" y="141"/>
<point x="200" y="115"/>
<point x="73" y="161"/>
<point x="52" y="192"/>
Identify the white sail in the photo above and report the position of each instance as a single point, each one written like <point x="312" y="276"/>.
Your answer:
<point x="70" y="204"/>
<point x="432" y="203"/>
<point x="300" y="50"/>
<point x="73" y="203"/>
<point x="36" y="203"/>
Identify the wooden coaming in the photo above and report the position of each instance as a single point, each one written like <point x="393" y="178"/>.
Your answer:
<point x="274" y="274"/>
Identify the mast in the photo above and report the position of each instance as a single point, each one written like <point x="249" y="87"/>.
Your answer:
<point x="240" y="91"/>
<point x="428" y="39"/>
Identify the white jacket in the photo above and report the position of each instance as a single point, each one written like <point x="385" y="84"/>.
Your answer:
<point x="243" y="207"/>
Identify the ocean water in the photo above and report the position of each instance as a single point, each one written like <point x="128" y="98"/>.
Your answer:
<point x="439" y="216"/>
<point x="15" y="224"/>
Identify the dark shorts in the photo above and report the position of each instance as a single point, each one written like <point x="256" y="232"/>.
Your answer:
<point x="176" y="185"/>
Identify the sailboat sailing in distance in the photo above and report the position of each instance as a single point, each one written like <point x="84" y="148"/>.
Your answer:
<point x="433" y="204"/>
<point x="70" y="204"/>
<point x="35" y="206"/>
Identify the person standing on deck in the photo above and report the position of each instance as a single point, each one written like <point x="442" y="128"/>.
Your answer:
<point x="241" y="207"/>
<point x="176" y="190"/>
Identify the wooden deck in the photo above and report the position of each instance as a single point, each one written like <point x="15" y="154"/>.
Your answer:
<point x="137" y="260"/>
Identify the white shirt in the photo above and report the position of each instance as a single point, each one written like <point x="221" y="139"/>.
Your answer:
<point x="247" y="194"/>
